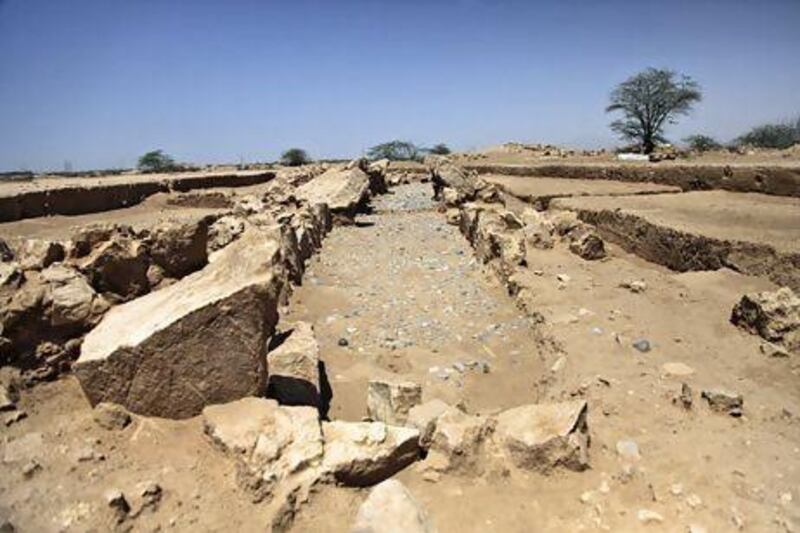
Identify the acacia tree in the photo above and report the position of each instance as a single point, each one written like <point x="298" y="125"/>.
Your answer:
<point x="648" y="101"/>
<point x="439" y="149"/>
<point x="394" y="151"/>
<point x="294" y="157"/>
<point x="156" y="161"/>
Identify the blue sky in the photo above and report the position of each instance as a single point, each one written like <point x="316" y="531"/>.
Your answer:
<point x="99" y="82"/>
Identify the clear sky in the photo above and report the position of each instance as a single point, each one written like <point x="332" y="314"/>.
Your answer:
<point x="99" y="82"/>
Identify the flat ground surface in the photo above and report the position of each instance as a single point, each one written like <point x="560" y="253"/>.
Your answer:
<point x="152" y="211"/>
<point x="404" y="291"/>
<point x="11" y="188"/>
<point x="543" y="187"/>
<point x="749" y="217"/>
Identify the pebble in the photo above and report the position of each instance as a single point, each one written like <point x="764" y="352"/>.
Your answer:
<point x="676" y="489"/>
<point x="772" y="350"/>
<point x="643" y="345"/>
<point x="343" y="342"/>
<point x="628" y="449"/>
<point x="30" y="469"/>
<point x="694" y="501"/>
<point x="677" y="369"/>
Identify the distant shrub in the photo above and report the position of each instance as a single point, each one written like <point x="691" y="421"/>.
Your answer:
<point x="294" y="157"/>
<point x="771" y="136"/>
<point x="156" y="161"/>
<point x="395" y="151"/>
<point x="702" y="143"/>
<point x="439" y="149"/>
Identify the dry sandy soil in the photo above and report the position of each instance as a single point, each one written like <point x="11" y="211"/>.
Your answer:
<point x="401" y="294"/>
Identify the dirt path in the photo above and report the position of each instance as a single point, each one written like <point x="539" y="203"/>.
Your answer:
<point x="403" y="291"/>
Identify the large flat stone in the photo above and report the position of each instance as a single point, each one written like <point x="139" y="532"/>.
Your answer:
<point x="344" y="190"/>
<point x="197" y="342"/>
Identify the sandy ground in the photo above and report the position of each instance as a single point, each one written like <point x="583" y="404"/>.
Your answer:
<point x="753" y="217"/>
<point x="11" y="188"/>
<point x="537" y="188"/>
<point x="404" y="291"/>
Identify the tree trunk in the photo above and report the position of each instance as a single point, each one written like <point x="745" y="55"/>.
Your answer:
<point x="648" y="145"/>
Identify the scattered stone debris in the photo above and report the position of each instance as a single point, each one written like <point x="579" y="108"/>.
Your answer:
<point x="773" y="350"/>
<point x="391" y="508"/>
<point x="723" y="401"/>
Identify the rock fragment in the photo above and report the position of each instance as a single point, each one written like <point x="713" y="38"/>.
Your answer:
<point x="425" y="416"/>
<point x="391" y="401"/>
<point x="459" y="439"/>
<point x="364" y="453"/>
<point x="269" y="442"/>
<point x="346" y="191"/>
<point x="724" y="401"/>
<point x="390" y="508"/>
<point x="541" y="437"/>
<point x="775" y="316"/>
<point x="586" y="243"/>
<point x="294" y="377"/>
<point x="636" y="286"/>
<point x="111" y="416"/>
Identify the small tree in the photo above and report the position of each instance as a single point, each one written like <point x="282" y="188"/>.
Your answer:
<point x="702" y="143"/>
<point x="294" y="157"/>
<point x="648" y="101"/>
<point x="439" y="149"/>
<point x="394" y="151"/>
<point x="156" y="161"/>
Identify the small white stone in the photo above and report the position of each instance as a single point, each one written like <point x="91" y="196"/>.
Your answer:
<point x="646" y="516"/>
<point x="676" y="489"/>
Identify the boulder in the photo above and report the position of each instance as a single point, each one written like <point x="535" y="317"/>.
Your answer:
<point x="445" y="174"/>
<point x="541" y="437"/>
<point x="179" y="248"/>
<point x="499" y="235"/>
<point x="774" y="315"/>
<point x="270" y="443"/>
<point x="197" y="342"/>
<point x="390" y="401"/>
<point x="377" y="176"/>
<point x="364" y="453"/>
<point x="345" y="191"/>
<point x="390" y="508"/>
<point x="70" y="299"/>
<point x="294" y="377"/>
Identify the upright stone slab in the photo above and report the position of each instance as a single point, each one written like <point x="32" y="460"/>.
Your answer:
<point x="294" y="368"/>
<point x="197" y="342"/>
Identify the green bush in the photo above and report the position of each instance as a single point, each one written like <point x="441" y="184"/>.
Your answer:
<point x="439" y="149"/>
<point x="702" y="143"/>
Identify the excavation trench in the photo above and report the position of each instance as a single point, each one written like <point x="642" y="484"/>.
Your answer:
<point x="400" y="294"/>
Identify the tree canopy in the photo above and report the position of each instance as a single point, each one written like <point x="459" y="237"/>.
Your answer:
<point x="772" y="136"/>
<point x="156" y="161"/>
<point x="648" y="102"/>
<point x="294" y="157"/>
<point x="394" y="151"/>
